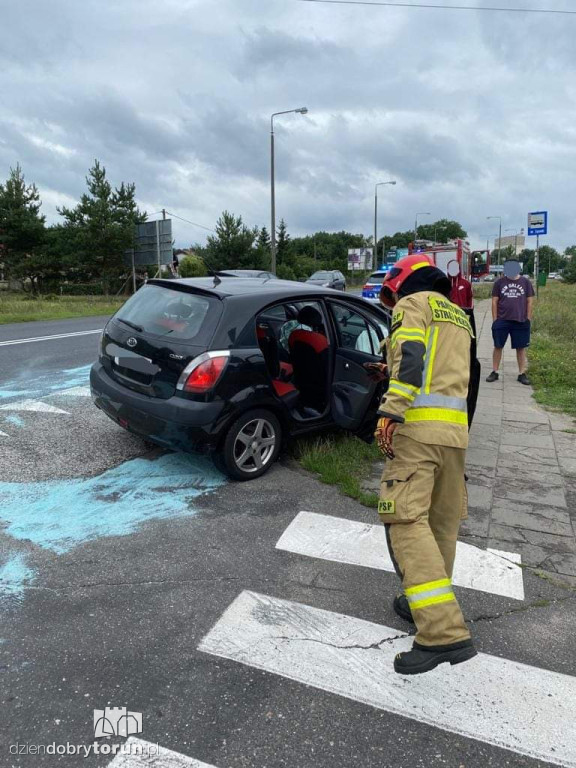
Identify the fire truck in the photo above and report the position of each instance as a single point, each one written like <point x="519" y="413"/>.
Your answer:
<point x="480" y="261"/>
<point x="442" y="253"/>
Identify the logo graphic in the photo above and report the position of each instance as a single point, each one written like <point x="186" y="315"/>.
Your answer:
<point x="131" y="342"/>
<point x="116" y="721"/>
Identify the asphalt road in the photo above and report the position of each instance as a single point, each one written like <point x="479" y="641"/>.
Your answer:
<point x="18" y="354"/>
<point x="117" y="561"/>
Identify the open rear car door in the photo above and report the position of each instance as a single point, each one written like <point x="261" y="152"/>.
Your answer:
<point x="355" y="398"/>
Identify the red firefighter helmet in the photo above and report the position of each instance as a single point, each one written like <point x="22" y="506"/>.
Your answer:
<point x="400" y="272"/>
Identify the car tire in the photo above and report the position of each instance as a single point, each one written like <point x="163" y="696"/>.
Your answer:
<point x="251" y="445"/>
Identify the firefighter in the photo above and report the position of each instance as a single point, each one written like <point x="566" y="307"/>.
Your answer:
<point x="423" y="430"/>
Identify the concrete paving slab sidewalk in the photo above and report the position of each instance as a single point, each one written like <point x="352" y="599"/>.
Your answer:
<point x="521" y="470"/>
<point x="534" y="487"/>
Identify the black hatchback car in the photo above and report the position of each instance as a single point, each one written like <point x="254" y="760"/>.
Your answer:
<point x="233" y="367"/>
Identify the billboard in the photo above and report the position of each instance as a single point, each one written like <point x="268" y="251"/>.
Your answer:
<point x="517" y="242"/>
<point x="152" y="243"/>
<point x="360" y="259"/>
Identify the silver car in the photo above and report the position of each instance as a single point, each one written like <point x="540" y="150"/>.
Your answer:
<point x="330" y="278"/>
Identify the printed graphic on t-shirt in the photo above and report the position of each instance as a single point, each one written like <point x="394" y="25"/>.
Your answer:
<point x="512" y="291"/>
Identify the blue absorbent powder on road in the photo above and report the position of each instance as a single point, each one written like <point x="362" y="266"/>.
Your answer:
<point x="16" y="421"/>
<point x="34" y="385"/>
<point x="14" y="576"/>
<point x="60" y="514"/>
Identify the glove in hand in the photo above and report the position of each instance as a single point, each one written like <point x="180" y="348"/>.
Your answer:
<point x="377" y="372"/>
<point x="384" y="435"/>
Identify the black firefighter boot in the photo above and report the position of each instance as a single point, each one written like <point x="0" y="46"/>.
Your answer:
<point x="423" y="658"/>
<point x="402" y="608"/>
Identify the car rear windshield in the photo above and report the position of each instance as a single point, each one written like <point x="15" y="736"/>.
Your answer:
<point x="167" y="312"/>
<point x="321" y="276"/>
<point x="377" y="277"/>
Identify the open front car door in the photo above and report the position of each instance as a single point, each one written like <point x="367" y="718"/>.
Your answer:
<point x="355" y="397"/>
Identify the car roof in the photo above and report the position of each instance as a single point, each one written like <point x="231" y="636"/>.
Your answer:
<point x="227" y="287"/>
<point x="241" y="272"/>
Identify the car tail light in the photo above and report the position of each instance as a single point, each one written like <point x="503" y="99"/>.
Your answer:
<point x="203" y="372"/>
<point x="367" y="287"/>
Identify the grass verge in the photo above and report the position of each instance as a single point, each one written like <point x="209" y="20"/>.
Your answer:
<point x="552" y="352"/>
<point x="482" y="290"/>
<point x="341" y="460"/>
<point x="22" y="308"/>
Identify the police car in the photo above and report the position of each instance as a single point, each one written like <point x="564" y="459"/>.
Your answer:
<point x="371" y="290"/>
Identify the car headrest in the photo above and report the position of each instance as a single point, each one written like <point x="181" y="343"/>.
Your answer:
<point x="311" y="317"/>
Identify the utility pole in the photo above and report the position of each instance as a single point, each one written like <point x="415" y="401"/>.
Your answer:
<point x="300" y="111"/>
<point x="421" y="213"/>
<point x="537" y="263"/>
<point x="158" y="245"/>
<point x="499" y="236"/>
<point x="380" y="184"/>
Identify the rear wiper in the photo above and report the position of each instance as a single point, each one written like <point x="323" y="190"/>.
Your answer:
<point x="132" y="325"/>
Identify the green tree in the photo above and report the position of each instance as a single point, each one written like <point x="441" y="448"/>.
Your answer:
<point x="324" y="250"/>
<point x="22" y="231"/>
<point x="569" y="274"/>
<point x="233" y="245"/>
<point x="284" y="253"/>
<point x="442" y="231"/>
<point x="263" y="254"/>
<point x="101" y="226"/>
<point x="192" y="265"/>
<point x="570" y="252"/>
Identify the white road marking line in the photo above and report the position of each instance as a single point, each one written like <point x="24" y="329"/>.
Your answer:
<point x="166" y="758"/>
<point x="48" y="338"/>
<point x="4" y="434"/>
<point x="510" y="705"/>
<point x="32" y="405"/>
<point x="74" y="392"/>
<point x="347" y="541"/>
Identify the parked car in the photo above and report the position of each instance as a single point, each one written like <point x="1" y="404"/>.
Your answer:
<point x="330" y="278"/>
<point x="233" y="367"/>
<point x="262" y="274"/>
<point x="489" y="278"/>
<point x="372" y="287"/>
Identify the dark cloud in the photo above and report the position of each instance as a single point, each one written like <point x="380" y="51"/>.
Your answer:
<point x="473" y="114"/>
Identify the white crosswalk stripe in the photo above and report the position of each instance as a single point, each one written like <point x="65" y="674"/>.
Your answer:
<point x="148" y="758"/>
<point x="497" y="701"/>
<point x="347" y="541"/>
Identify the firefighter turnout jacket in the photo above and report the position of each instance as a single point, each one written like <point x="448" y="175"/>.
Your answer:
<point x="423" y="492"/>
<point x="428" y="353"/>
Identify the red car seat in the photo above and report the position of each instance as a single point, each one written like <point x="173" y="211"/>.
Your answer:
<point x="269" y="346"/>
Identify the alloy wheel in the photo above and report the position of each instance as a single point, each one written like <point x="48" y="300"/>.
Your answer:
<point x="254" y="445"/>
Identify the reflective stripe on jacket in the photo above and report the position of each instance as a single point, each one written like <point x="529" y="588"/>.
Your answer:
<point x="429" y="364"/>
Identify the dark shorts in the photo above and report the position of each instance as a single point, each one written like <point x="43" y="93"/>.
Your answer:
<point x="519" y="333"/>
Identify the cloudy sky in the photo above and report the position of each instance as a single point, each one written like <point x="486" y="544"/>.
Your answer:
<point x="473" y="113"/>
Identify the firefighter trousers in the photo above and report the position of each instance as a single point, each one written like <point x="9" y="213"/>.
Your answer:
<point x="422" y="500"/>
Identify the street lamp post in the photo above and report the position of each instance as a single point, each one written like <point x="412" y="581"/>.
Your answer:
<point x="300" y="111"/>
<point x="516" y="233"/>
<point x="499" y="235"/>
<point x="380" y="184"/>
<point x="420" y="213"/>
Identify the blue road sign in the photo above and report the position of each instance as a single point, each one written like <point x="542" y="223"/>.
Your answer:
<point x="538" y="223"/>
